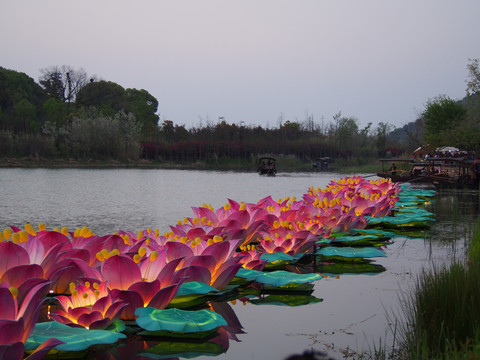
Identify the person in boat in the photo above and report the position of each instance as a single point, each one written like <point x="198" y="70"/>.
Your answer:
<point x="393" y="169"/>
<point x="261" y="166"/>
<point x="271" y="166"/>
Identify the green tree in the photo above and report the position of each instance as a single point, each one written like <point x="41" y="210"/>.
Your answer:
<point x="441" y="116"/>
<point x="56" y="111"/>
<point x="381" y="132"/>
<point x="473" y="91"/>
<point x="144" y="106"/>
<point x="25" y="112"/>
<point x="108" y="97"/>
<point x="21" y="101"/>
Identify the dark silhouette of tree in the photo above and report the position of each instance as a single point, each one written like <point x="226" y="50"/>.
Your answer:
<point x="63" y="82"/>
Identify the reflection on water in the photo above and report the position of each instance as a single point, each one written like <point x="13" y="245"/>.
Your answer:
<point x="349" y="309"/>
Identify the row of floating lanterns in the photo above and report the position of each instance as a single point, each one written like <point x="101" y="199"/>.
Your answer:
<point x="94" y="287"/>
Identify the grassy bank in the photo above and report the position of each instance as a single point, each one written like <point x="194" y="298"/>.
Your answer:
<point x="443" y="314"/>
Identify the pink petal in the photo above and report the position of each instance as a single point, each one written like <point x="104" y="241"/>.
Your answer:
<point x="12" y="351"/>
<point x="12" y="255"/>
<point x="206" y="261"/>
<point x="8" y="305"/>
<point x="219" y="251"/>
<point x="164" y="296"/>
<point x="11" y="331"/>
<point x="15" y="276"/>
<point x="168" y="272"/>
<point x="31" y="307"/>
<point x="115" y="310"/>
<point x="147" y="290"/>
<point x="225" y="273"/>
<point x="121" y="272"/>
<point x="52" y="238"/>
<point x="194" y="273"/>
<point x="50" y="258"/>
<point x="132" y="299"/>
<point x="61" y="317"/>
<point x="196" y="232"/>
<point x="81" y="254"/>
<point x="88" y="318"/>
<point x="175" y="250"/>
<point x="26" y="287"/>
<point x="102" y="304"/>
<point x="100" y="324"/>
<point x="43" y="349"/>
<point x="75" y="313"/>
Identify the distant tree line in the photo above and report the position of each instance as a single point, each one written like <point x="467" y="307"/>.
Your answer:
<point x="70" y="114"/>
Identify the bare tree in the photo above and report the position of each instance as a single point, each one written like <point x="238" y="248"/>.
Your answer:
<point x="63" y="82"/>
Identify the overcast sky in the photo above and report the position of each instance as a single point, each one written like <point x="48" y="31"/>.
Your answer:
<point x="251" y="61"/>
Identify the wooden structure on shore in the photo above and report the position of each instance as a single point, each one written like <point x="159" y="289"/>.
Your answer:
<point x="442" y="172"/>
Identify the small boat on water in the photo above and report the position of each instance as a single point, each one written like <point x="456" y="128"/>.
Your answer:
<point x="267" y="166"/>
<point x="321" y="163"/>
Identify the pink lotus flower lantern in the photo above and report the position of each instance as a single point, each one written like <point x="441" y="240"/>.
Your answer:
<point x="89" y="306"/>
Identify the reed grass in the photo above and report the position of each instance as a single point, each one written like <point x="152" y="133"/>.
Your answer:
<point x="443" y="313"/>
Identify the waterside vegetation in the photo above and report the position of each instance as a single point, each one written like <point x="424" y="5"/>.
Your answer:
<point x="71" y="117"/>
<point x="443" y="318"/>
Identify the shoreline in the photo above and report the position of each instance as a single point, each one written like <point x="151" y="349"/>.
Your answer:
<point x="59" y="163"/>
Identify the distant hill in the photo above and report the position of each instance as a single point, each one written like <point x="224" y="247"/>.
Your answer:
<point x="410" y="136"/>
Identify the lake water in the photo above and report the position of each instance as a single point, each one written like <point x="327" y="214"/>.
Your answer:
<point x="356" y="311"/>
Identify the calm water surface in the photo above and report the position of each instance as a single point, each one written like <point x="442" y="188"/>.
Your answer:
<point x="356" y="310"/>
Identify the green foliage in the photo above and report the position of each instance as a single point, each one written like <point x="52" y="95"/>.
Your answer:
<point x="21" y="101"/>
<point x="144" y="106"/>
<point x="474" y="248"/>
<point x="381" y="132"/>
<point x="65" y="110"/>
<point x="108" y="97"/>
<point x="443" y="317"/>
<point x="56" y="111"/>
<point x="442" y="115"/>
<point x="97" y="135"/>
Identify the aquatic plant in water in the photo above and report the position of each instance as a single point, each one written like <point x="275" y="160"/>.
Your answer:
<point x="98" y="279"/>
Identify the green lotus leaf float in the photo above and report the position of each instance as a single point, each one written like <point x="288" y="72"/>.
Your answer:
<point x="422" y="193"/>
<point x="279" y="260"/>
<point x="346" y="268"/>
<point x="187" y="350"/>
<point x="277" y="256"/>
<point x="403" y="220"/>
<point x="286" y="300"/>
<point x="248" y="274"/>
<point x="178" y="321"/>
<point x="195" y="288"/>
<point x="76" y="339"/>
<point x="349" y="252"/>
<point x="282" y="278"/>
<point x="360" y="240"/>
<point x="377" y="232"/>
<point x="117" y="326"/>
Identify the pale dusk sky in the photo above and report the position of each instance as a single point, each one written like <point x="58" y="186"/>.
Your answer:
<point x="252" y="62"/>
